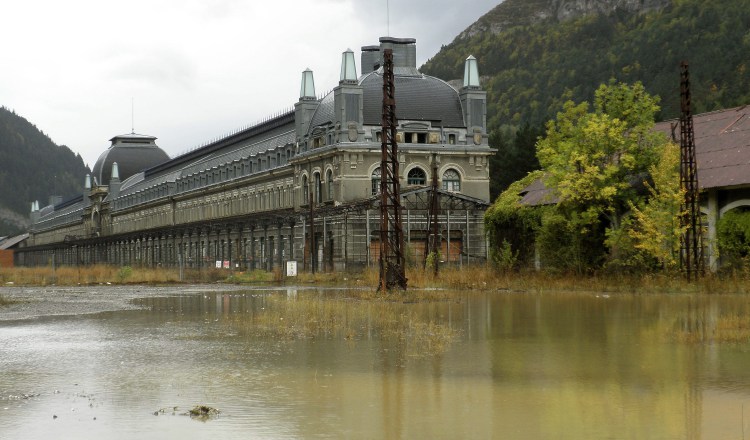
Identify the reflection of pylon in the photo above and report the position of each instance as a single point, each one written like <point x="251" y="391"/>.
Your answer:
<point x="392" y="261"/>
<point x="691" y="240"/>
<point x="433" y="227"/>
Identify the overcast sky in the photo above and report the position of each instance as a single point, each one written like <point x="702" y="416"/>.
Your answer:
<point x="194" y="69"/>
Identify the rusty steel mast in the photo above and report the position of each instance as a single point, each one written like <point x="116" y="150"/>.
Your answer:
<point x="691" y="240"/>
<point x="392" y="260"/>
<point x="433" y="241"/>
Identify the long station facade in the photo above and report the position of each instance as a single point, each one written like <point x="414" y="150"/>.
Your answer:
<point x="301" y="186"/>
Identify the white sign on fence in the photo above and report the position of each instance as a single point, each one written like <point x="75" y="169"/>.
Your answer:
<point x="291" y="268"/>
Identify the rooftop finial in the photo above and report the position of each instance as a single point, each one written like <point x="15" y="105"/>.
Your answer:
<point x="471" y="72"/>
<point x="388" y="17"/>
<point x="132" y="115"/>
<point x="348" y="67"/>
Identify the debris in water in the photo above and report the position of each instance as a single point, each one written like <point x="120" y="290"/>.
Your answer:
<point x="202" y="412"/>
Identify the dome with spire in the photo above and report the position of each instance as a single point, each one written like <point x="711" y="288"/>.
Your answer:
<point x="133" y="154"/>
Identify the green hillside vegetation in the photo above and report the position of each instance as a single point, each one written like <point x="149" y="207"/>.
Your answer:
<point x="32" y="167"/>
<point x="617" y="189"/>
<point x="530" y="66"/>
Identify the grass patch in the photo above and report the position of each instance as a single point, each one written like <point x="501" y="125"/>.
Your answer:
<point x="5" y="301"/>
<point x="723" y="329"/>
<point x="475" y="278"/>
<point x="311" y="316"/>
<point x="104" y="274"/>
<point x="253" y="276"/>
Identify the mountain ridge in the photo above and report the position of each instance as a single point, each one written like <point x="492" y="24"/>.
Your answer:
<point x="525" y="12"/>
<point x="32" y="167"/>
<point x="531" y="61"/>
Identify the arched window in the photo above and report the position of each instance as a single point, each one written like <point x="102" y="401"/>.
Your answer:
<point x="451" y="180"/>
<point x="416" y="176"/>
<point x="318" y="188"/>
<point x="305" y="191"/>
<point x="329" y="184"/>
<point x="376" y="176"/>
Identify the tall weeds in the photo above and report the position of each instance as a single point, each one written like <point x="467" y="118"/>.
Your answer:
<point x="478" y="277"/>
<point x="310" y="317"/>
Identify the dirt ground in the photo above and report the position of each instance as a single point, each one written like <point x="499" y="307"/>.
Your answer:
<point x="34" y="302"/>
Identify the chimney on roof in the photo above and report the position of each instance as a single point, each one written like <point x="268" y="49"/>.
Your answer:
<point x="53" y="200"/>
<point x="370" y="60"/>
<point x="404" y="51"/>
<point x="404" y="54"/>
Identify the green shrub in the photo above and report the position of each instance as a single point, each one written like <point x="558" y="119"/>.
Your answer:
<point x="124" y="273"/>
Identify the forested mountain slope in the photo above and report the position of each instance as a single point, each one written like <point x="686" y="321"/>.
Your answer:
<point x="32" y="168"/>
<point x="536" y="54"/>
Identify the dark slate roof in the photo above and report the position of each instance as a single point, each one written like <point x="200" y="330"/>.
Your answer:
<point x="418" y="98"/>
<point x="68" y="213"/>
<point x="722" y="146"/>
<point x="132" y="152"/>
<point x="538" y="194"/>
<point x="273" y="127"/>
<point x="140" y="181"/>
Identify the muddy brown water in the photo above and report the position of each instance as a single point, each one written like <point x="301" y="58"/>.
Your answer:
<point x="517" y="366"/>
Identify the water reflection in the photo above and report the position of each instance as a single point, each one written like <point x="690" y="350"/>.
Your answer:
<point x="302" y="363"/>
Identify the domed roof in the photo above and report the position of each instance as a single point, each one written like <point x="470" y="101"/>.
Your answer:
<point x="418" y="98"/>
<point x="132" y="152"/>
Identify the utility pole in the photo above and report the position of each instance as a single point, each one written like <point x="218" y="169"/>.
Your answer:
<point x="433" y="227"/>
<point x="392" y="260"/>
<point x="691" y="240"/>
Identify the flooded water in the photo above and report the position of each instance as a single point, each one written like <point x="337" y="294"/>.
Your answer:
<point x="296" y="363"/>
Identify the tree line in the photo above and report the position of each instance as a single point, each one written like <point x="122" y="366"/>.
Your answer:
<point x="32" y="167"/>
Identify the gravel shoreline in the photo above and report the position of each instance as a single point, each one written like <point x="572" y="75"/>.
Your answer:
<point x="35" y="302"/>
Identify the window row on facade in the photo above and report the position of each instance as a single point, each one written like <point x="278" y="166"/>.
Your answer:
<point x="451" y="179"/>
<point x="238" y="168"/>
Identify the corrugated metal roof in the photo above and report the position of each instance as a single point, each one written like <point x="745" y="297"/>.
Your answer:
<point x="722" y="150"/>
<point x="538" y="194"/>
<point x="12" y="241"/>
<point x="722" y="146"/>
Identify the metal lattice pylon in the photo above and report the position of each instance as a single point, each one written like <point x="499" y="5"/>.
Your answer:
<point x="433" y="227"/>
<point x="691" y="240"/>
<point x="392" y="261"/>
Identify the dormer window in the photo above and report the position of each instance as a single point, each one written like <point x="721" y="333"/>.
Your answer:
<point x="415" y="138"/>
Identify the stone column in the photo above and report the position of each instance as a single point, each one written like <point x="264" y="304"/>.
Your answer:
<point x="280" y="248"/>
